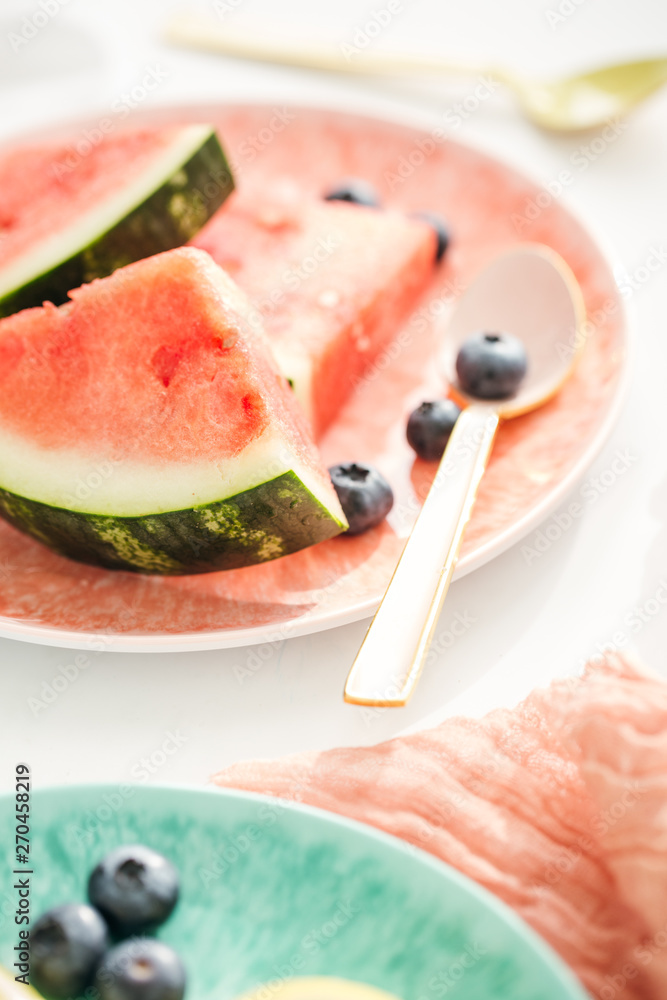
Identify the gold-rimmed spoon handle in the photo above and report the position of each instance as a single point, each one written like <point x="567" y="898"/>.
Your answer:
<point x="390" y="660"/>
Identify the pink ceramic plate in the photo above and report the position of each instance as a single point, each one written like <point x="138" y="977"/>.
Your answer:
<point x="537" y="459"/>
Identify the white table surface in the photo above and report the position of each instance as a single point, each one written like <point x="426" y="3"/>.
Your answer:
<point x="533" y="621"/>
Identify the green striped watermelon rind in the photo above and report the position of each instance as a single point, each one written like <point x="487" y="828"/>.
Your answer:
<point x="273" y="519"/>
<point x="169" y="217"/>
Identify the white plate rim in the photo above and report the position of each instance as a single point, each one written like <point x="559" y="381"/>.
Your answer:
<point x="318" y="621"/>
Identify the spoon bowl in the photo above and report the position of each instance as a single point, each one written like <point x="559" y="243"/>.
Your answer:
<point x="529" y="292"/>
<point x="588" y="99"/>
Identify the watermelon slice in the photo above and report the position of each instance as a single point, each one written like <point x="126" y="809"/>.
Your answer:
<point x="333" y="282"/>
<point x="66" y="218"/>
<point x="144" y="426"/>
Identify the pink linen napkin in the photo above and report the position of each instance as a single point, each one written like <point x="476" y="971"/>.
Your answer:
<point x="559" y="807"/>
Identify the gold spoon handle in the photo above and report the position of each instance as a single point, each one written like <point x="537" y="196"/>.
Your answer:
<point x="199" y="32"/>
<point x="392" y="655"/>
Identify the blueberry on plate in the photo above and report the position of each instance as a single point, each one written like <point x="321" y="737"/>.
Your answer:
<point x="365" y="495"/>
<point x="134" y="888"/>
<point x="355" y="191"/>
<point x="141" y="969"/>
<point x="66" y="944"/>
<point x="441" y="230"/>
<point x="430" y="426"/>
<point x="491" y="365"/>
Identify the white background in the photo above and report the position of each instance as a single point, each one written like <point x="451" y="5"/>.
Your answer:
<point x="533" y="621"/>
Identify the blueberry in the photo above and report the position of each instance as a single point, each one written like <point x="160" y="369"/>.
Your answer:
<point x="364" y="494"/>
<point x="134" y="888"/>
<point x="429" y="428"/>
<point x="491" y="365"/>
<point x="141" y="969"/>
<point x="66" y="943"/>
<point x="441" y="230"/>
<point x="356" y="191"/>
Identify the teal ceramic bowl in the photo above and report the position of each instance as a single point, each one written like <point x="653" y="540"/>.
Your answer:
<point x="271" y="890"/>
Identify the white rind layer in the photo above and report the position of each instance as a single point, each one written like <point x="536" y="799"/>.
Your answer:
<point x="121" y="488"/>
<point x="299" y="371"/>
<point x="88" y="228"/>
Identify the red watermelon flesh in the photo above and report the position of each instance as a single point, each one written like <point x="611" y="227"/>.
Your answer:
<point x="43" y="187"/>
<point x="78" y="210"/>
<point x="153" y="393"/>
<point x="148" y="346"/>
<point x="332" y="281"/>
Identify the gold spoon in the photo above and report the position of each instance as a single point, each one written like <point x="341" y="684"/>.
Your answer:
<point x="529" y="292"/>
<point x="573" y="103"/>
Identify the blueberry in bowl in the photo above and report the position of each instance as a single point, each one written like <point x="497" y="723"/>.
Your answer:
<point x="257" y="874"/>
<point x="66" y="945"/>
<point x="140" y="969"/>
<point x="134" y="888"/>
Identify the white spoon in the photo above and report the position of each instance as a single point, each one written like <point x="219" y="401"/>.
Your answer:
<point x="529" y="292"/>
